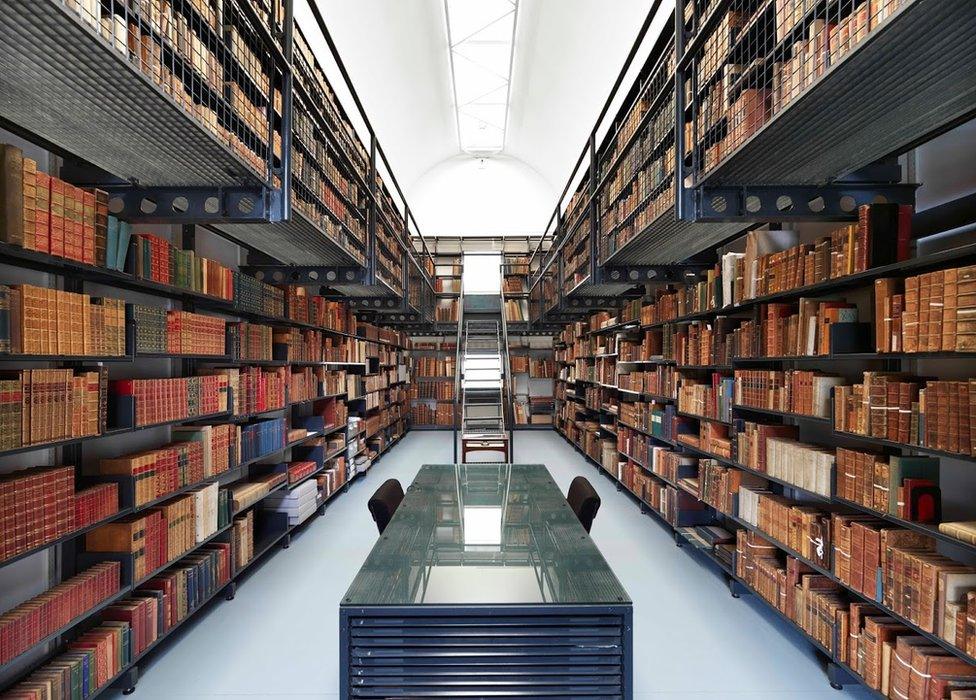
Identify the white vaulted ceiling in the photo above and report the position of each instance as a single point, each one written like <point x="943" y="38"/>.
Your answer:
<point x="567" y="54"/>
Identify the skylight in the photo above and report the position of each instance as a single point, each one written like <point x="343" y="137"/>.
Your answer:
<point x="481" y="35"/>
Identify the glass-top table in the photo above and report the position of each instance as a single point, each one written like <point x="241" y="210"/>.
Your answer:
<point x="484" y="580"/>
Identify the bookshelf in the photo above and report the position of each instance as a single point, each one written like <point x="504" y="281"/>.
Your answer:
<point x="267" y="153"/>
<point x="432" y="388"/>
<point x="375" y="366"/>
<point x="619" y="396"/>
<point x="448" y="273"/>
<point x="620" y="217"/>
<point x="533" y="369"/>
<point x="310" y="396"/>
<point x="515" y="290"/>
<point x="226" y="140"/>
<point x="729" y="400"/>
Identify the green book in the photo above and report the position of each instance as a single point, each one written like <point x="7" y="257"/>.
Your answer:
<point x="112" y="243"/>
<point x="125" y="235"/>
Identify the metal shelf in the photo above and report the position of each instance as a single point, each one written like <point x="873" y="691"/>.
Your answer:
<point x="825" y="571"/>
<point x="782" y="414"/>
<point x="111" y="432"/>
<point x="670" y="240"/>
<point x="299" y="241"/>
<point x="904" y="446"/>
<point x="121" y="513"/>
<point x="707" y="419"/>
<point x="724" y="567"/>
<point x="736" y="465"/>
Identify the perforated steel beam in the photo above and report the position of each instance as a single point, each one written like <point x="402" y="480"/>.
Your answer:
<point x="583" y="304"/>
<point x="380" y="304"/>
<point x="411" y="317"/>
<point x="835" y="202"/>
<point x="642" y="274"/>
<point x="200" y="205"/>
<point x="306" y="274"/>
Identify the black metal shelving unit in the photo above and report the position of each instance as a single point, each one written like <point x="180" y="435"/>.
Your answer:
<point x="174" y="144"/>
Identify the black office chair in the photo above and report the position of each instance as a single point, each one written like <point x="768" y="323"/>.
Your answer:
<point x="584" y="501"/>
<point x="384" y="503"/>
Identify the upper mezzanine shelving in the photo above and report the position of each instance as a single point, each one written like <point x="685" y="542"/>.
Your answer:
<point x="175" y="98"/>
<point x="758" y="112"/>
<point x="785" y="95"/>
<point x="620" y="227"/>
<point x="211" y="112"/>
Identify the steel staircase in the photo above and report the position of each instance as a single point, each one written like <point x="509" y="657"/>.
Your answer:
<point x="482" y="385"/>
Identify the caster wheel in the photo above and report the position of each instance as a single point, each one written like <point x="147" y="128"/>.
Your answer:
<point x="286" y="546"/>
<point x="230" y="597"/>
<point x="836" y="686"/>
<point x="735" y="595"/>
<point x="128" y="691"/>
<point x="678" y="545"/>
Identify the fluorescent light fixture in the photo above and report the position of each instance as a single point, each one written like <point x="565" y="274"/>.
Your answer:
<point x="481" y="36"/>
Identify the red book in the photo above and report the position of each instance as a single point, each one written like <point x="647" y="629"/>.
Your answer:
<point x="905" y="213"/>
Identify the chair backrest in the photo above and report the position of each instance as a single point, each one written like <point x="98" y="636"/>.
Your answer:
<point x="584" y="501"/>
<point x="384" y="503"/>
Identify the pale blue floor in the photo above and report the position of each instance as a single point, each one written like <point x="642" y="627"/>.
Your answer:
<point x="279" y="636"/>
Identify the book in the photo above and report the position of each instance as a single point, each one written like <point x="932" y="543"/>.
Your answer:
<point x="46" y="321"/>
<point x="11" y="195"/>
<point x="150" y="401"/>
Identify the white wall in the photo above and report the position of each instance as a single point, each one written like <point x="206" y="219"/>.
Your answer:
<point x="467" y="196"/>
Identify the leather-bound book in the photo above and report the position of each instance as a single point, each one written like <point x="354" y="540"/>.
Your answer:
<point x="11" y="195"/>
<point x="964" y="531"/>
<point x="877" y="632"/>
<point x="885" y="230"/>
<point x="884" y="291"/>
<point x="910" y="314"/>
<point x="901" y="666"/>
<point x="965" y="340"/>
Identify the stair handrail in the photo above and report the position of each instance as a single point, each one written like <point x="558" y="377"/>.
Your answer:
<point x="508" y="398"/>
<point x="457" y="368"/>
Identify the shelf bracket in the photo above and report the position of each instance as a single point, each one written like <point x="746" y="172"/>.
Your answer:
<point x="837" y="201"/>
<point x="838" y="676"/>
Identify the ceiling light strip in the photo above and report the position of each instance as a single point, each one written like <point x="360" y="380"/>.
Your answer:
<point x="481" y="70"/>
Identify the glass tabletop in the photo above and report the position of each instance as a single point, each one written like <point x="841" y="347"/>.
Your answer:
<point x="483" y="534"/>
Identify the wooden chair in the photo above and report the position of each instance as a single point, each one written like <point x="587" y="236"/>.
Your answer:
<point x="496" y="443"/>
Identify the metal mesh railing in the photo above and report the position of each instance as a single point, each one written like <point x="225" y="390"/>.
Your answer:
<point x="210" y="58"/>
<point x="637" y="169"/>
<point x="752" y="59"/>
<point x="329" y="169"/>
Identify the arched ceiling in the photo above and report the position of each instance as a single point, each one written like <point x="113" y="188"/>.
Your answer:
<point x="567" y="54"/>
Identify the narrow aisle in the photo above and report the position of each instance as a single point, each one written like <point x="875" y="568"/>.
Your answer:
<point x="279" y="637"/>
